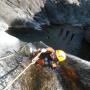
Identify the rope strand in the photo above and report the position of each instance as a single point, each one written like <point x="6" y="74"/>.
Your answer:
<point x="33" y="62"/>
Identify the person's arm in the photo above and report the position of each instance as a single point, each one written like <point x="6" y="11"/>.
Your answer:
<point x="50" y="49"/>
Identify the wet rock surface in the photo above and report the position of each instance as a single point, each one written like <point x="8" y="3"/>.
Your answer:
<point x="26" y="15"/>
<point x="38" y="13"/>
<point x="37" y="76"/>
<point x="8" y="43"/>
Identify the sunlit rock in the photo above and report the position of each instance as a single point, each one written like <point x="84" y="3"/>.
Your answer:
<point x="8" y="43"/>
<point x="3" y="26"/>
<point x="38" y="13"/>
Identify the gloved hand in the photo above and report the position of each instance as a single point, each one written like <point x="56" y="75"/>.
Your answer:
<point x="43" y="50"/>
<point x="50" y="49"/>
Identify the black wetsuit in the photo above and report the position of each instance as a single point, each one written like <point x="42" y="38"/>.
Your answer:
<point x="47" y="58"/>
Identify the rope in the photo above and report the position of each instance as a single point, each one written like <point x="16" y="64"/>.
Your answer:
<point x="6" y="57"/>
<point x="33" y="62"/>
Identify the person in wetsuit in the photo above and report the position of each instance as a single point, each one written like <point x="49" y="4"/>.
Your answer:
<point x="51" y="57"/>
<point x="57" y="58"/>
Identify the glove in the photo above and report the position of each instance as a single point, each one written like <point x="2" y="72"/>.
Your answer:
<point x="43" y="50"/>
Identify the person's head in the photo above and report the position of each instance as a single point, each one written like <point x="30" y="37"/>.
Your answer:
<point x="60" y="55"/>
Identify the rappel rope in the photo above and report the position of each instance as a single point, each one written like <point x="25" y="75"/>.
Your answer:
<point x="33" y="62"/>
<point x="6" y="57"/>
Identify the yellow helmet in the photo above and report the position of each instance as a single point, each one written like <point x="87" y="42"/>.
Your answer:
<point x="61" y="55"/>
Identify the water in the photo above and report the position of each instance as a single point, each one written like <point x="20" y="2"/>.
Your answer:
<point x="67" y="38"/>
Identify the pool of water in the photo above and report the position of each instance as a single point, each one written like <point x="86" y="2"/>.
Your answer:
<point x="68" y="38"/>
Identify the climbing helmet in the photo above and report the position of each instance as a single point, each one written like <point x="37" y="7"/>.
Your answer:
<point x="61" y="55"/>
